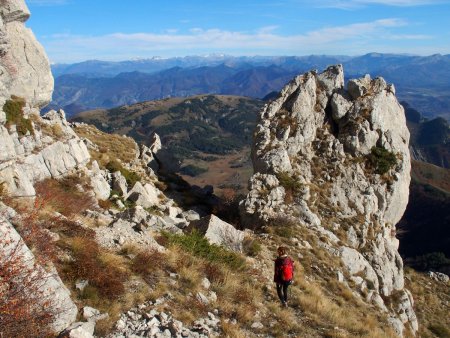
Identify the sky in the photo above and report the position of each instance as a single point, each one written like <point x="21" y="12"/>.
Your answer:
<point x="114" y="30"/>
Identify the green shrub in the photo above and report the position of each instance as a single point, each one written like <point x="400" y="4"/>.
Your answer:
<point x="198" y="245"/>
<point x="14" y="116"/>
<point x="252" y="247"/>
<point x="284" y="231"/>
<point x="130" y="176"/>
<point x="382" y="160"/>
<point x="154" y="210"/>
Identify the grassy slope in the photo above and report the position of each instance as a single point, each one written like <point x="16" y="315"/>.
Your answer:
<point x="432" y="304"/>
<point x="426" y="173"/>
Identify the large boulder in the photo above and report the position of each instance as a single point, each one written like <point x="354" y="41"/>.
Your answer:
<point x="119" y="183"/>
<point x="99" y="184"/>
<point x="144" y="195"/>
<point x="219" y="232"/>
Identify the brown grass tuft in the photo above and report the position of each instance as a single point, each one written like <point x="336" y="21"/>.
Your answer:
<point x="63" y="196"/>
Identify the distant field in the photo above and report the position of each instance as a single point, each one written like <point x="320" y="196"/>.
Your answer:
<point x="227" y="171"/>
<point x="427" y="173"/>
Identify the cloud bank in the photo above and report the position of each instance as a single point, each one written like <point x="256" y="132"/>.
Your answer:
<point x="352" y="39"/>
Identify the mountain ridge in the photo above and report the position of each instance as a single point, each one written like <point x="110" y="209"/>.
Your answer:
<point x="419" y="80"/>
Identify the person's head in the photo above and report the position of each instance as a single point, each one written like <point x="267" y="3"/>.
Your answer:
<point x="282" y="251"/>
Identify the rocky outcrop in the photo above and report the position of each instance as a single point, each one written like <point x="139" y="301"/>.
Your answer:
<point x="24" y="66"/>
<point x="48" y="147"/>
<point x="219" y="232"/>
<point x="148" y="154"/>
<point x="144" y="195"/>
<point x="52" y="150"/>
<point x="337" y="160"/>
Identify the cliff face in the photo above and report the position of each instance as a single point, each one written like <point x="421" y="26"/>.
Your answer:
<point x="24" y="66"/>
<point x="336" y="159"/>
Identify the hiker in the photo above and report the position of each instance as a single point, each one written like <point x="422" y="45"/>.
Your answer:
<point x="284" y="274"/>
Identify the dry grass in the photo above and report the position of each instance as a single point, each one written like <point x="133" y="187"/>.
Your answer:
<point x="319" y="305"/>
<point x="431" y="303"/>
<point x="63" y="196"/>
<point x="110" y="146"/>
<point x="103" y="270"/>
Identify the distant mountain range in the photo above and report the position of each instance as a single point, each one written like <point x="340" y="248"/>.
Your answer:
<point x="421" y="81"/>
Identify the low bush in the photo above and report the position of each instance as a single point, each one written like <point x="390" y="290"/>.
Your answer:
<point x="25" y="309"/>
<point x="149" y="265"/>
<point x="382" y="160"/>
<point x="89" y="263"/>
<point x="129" y="175"/>
<point x="63" y="196"/>
<point x="14" y="116"/>
<point x="198" y="245"/>
<point x="292" y="186"/>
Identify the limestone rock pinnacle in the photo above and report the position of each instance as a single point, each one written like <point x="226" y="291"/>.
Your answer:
<point x="24" y="66"/>
<point x="330" y="150"/>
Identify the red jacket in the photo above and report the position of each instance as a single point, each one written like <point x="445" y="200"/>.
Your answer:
<point x="277" y="278"/>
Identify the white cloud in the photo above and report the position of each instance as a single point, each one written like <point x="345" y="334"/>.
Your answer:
<point x="355" y="38"/>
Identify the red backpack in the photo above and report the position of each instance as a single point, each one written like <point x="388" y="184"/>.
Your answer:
<point x="287" y="270"/>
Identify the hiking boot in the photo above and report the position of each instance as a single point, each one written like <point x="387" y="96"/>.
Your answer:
<point x="284" y="304"/>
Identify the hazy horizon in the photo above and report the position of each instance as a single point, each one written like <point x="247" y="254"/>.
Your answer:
<point x="219" y="55"/>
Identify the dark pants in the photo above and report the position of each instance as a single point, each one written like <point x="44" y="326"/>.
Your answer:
<point x="282" y="291"/>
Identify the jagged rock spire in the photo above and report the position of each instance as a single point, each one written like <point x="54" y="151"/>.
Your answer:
<point x="336" y="159"/>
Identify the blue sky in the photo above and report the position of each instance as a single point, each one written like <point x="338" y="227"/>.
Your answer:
<point x="77" y="30"/>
